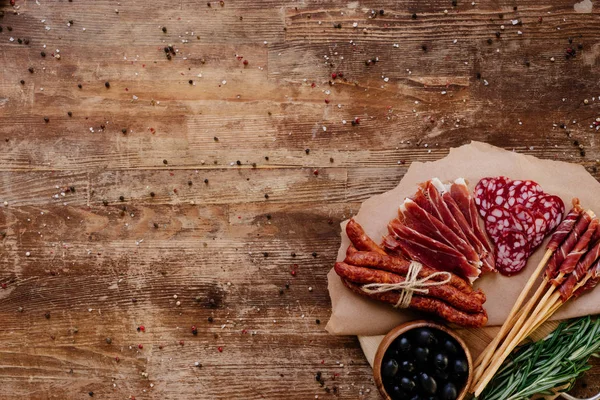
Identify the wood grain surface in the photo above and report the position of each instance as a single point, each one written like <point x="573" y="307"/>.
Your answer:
<point x="162" y="193"/>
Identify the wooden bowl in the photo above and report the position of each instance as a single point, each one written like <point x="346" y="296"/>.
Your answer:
<point x="399" y="330"/>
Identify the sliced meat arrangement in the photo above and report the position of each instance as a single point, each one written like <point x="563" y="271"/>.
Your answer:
<point x="439" y="227"/>
<point x="518" y="215"/>
<point x="410" y="280"/>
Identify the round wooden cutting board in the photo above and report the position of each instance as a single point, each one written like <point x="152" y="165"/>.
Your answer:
<point x="476" y="338"/>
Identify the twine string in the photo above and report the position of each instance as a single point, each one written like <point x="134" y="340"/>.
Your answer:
<point x="412" y="284"/>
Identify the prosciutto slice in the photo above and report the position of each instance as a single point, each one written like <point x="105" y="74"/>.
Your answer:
<point x="466" y="204"/>
<point x="582" y="268"/>
<point x="435" y="189"/>
<point x="571" y="260"/>
<point x="567" y="245"/>
<point x="428" y="251"/>
<point x="423" y="222"/>
<point x="592" y="282"/>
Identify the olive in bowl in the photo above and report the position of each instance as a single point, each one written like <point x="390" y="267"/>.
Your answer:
<point x="422" y="360"/>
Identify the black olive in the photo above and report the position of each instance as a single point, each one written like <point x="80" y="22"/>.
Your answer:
<point x="428" y="384"/>
<point x="440" y="361"/>
<point x="443" y="375"/>
<point x="397" y="393"/>
<point x="450" y="347"/>
<point x="421" y="355"/>
<point x="460" y="367"/>
<point x="407" y="384"/>
<point x="407" y="366"/>
<point x="449" y="392"/>
<point x="389" y="368"/>
<point x="425" y="337"/>
<point x="404" y="345"/>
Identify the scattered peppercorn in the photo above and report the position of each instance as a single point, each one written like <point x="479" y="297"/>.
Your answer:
<point x="122" y="198"/>
<point x="267" y="158"/>
<point x="165" y="162"/>
<point x="307" y="151"/>
<point x="268" y="216"/>
<point x="515" y="8"/>
<point x="30" y="69"/>
<point x="318" y="321"/>
<point x="194" y="330"/>
<point x="314" y="254"/>
<point x="287" y="285"/>
<point x="318" y="376"/>
<point x="265" y="254"/>
<point x="490" y="41"/>
<point x="107" y="84"/>
<point x="424" y="47"/>
<point x="46" y="119"/>
<point x="9" y="28"/>
<point x="580" y="46"/>
<point x="191" y="82"/>
<point x="43" y="54"/>
<point x="266" y="196"/>
<point x="210" y="319"/>
<point x="104" y="202"/>
<point x="124" y="130"/>
<point x="216" y="139"/>
<point x="22" y="82"/>
<point x="69" y="113"/>
<point x="19" y="40"/>
<point x="152" y="194"/>
<point x="79" y="86"/>
<point x="498" y="34"/>
<point x="155" y="225"/>
<point x="164" y="29"/>
<point x="280" y="291"/>
<point x="238" y="162"/>
<point x="414" y="16"/>
<point x="91" y="394"/>
<point x="108" y="340"/>
<point x="47" y="315"/>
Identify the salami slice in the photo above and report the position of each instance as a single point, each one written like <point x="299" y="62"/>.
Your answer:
<point x="524" y="220"/>
<point x="519" y="192"/>
<point x="497" y="221"/>
<point x="552" y="208"/>
<point x="541" y="229"/>
<point x="490" y="192"/>
<point x="512" y="251"/>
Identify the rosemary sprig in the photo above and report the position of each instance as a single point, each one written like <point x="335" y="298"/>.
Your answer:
<point x="555" y="361"/>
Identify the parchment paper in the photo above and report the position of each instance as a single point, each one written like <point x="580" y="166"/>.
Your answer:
<point x="356" y="315"/>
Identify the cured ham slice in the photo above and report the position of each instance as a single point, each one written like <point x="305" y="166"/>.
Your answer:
<point x="430" y="252"/>
<point x="592" y="281"/>
<point x="465" y="227"/>
<point x="582" y="268"/>
<point x="435" y="189"/>
<point x="423" y="222"/>
<point x="466" y="203"/>
<point x="565" y="226"/>
<point x="580" y="248"/>
<point x="567" y="245"/>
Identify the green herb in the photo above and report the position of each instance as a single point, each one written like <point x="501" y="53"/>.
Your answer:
<point x="553" y="362"/>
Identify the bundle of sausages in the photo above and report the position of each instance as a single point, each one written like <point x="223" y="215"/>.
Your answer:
<point x="452" y="298"/>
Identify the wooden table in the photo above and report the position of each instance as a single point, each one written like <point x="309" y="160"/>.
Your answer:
<point x="198" y="174"/>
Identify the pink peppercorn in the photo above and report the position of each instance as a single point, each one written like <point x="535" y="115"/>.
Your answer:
<point x="220" y="349"/>
<point x="140" y="346"/>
